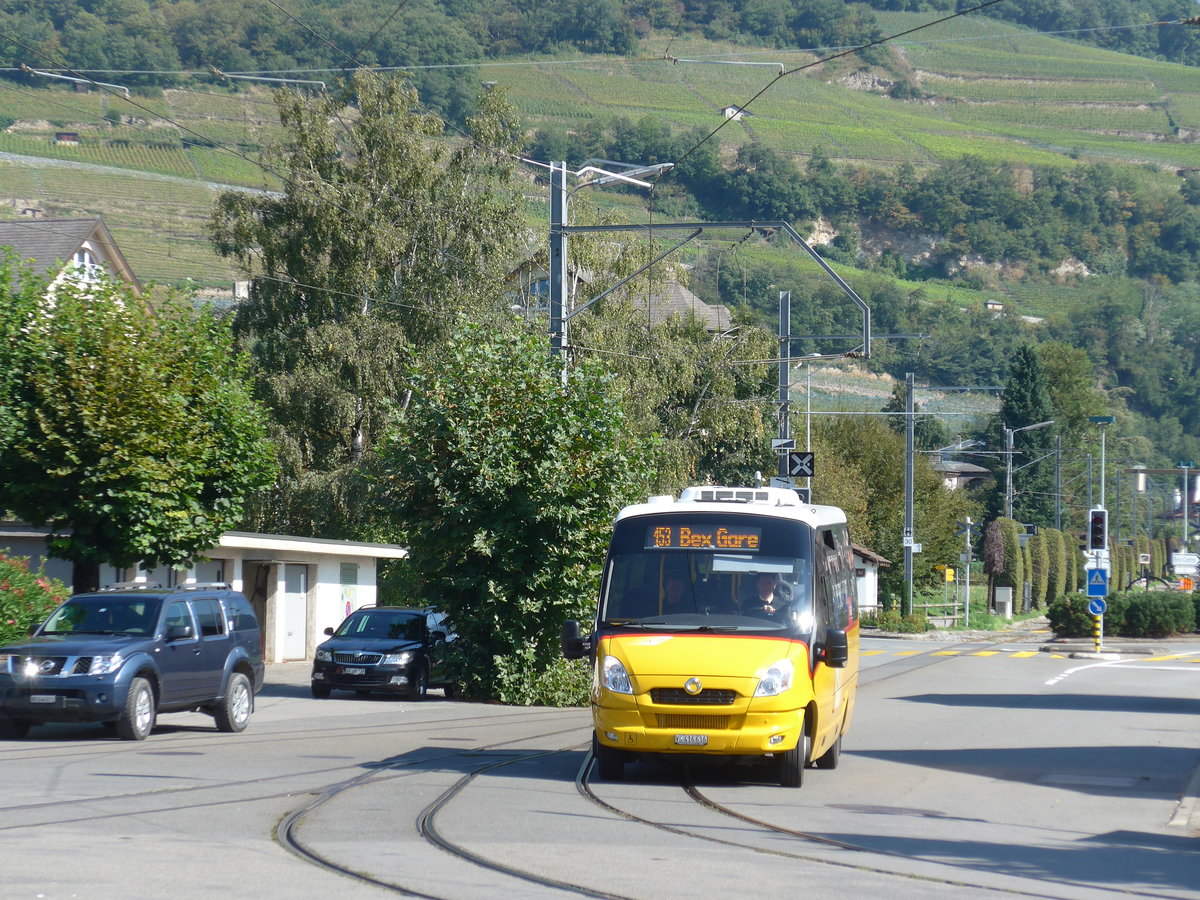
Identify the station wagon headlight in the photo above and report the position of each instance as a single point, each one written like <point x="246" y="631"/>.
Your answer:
<point x="105" y="665"/>
<point x="615" y="678"/>
<point x="324" y="656"/>
<point x="776" y="679"/>
<point x="397" y="659"/>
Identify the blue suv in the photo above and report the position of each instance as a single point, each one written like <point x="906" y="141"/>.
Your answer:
<point x="122" y="656"/>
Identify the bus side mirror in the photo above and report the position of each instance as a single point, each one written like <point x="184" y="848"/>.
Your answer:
<point x="572" y="642"/>
<point x="837" y="650"/>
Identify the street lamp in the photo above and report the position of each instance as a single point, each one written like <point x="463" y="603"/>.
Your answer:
<point x="1102" y="421"/>
<point x="1008" y="452"/>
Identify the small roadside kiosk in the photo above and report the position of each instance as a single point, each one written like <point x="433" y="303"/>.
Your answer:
<point x="298" y="586"/>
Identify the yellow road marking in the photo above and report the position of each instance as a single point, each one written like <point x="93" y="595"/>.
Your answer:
<point x="947" y="653"/>
<point x="1025" y="654"/>
<point x="985" y="652"/>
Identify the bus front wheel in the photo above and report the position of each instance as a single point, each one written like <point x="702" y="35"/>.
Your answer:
<point x="610" y="761"/>
<point x="792" y="762"/>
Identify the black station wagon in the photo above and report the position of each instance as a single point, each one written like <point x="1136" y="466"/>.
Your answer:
<point x="389" y="649"/>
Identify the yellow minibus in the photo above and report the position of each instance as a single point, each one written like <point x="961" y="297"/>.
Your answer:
<point x="726" y="626"/>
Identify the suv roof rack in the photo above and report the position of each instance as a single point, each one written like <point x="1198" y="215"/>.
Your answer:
<point x="131" y="586"/>
<point x="201" y="586"/>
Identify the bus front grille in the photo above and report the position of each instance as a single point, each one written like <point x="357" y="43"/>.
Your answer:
<point x="705" y="723"/>
<point x="680" y="697"/>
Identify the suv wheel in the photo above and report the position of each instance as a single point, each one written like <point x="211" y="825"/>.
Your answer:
<point x="14" y="729"/>
<point x="137" y="718"/>
<point x="320" y="691"/>
<point x="233" y="711"/>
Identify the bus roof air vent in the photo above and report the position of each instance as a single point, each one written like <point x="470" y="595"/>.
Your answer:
<point x="661" y="498"/>
<point x="768" y="496"/>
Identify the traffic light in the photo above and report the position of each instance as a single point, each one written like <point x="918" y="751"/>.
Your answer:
<point x="1098" y="529"/>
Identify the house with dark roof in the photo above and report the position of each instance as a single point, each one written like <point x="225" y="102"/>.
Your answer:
<point x="83" y="249"/>
<point x="676" y="300"/>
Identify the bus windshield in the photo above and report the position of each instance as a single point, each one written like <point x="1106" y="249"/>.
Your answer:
<point x="710" y="572"/>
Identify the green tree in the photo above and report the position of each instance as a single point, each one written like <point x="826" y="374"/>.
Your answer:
<point x="1038" y="550"/>
<point x="131" y="435"/>
<point x="503" y="481"/>
<point x="384" y="232"/>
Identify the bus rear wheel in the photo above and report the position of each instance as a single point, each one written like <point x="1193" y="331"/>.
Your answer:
<point x="831" y="757"/>
<point x="791" y="763"/>
<point x="610" y="761"/>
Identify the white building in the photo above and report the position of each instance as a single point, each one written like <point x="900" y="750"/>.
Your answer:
<point x="299" y="586"/>
<point x="866" y="577"/>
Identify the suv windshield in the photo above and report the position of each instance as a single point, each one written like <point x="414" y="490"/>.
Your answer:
<point x="708" y="571"/>
<point x="408" y="626"/>
<point x="104" y="615"/>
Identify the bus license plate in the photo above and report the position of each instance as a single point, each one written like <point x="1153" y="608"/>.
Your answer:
<point x="42" y="698"/>
<point x="691" y="740"/>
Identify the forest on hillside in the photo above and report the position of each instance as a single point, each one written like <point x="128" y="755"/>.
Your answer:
<point x="152" y="42"/>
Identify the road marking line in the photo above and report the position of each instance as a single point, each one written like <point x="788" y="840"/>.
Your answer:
<point x="870" y="652"/>
<point x="947" y="653"/>
<point x="908" y="652"/>
<point x="986" y="653"/>
<point x="1025" y="654"/>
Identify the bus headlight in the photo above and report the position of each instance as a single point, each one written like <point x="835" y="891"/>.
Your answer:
<point x="614" y="677"/>
<point x="776" y="679"/>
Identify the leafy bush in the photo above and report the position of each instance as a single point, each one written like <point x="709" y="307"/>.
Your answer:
<point x="1160" y="614"/>
<point x="26" y="598"/>
<point x="1129" y="613"/>
<point x="891" y="620"/>
<point x="519" y="680"/>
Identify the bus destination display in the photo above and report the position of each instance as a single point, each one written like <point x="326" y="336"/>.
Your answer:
<point x="702" y="537"/>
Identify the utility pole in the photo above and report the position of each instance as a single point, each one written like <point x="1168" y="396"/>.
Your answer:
<point x="906" y="606"/>
<point x="558" y="261"/>
<point x="785" y="376"/>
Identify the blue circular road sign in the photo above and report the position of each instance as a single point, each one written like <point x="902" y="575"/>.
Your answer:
<point x="1097" y="606"/>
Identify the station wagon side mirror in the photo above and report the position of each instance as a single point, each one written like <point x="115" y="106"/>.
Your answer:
<point x="572" y="642"/>
<point x="437" y="637"/>
<point x="329" y="630"/>
<point x="837" y="651"/>
<point x="179" y="632"/>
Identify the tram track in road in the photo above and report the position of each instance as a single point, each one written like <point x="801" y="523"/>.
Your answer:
<point x="426" y="825"/>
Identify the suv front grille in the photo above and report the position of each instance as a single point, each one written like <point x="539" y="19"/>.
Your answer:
<point x="680" y="697"/>
<point x="357" y="658"/>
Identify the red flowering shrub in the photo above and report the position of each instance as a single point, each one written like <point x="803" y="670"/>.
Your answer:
<point x="26" y="598"/>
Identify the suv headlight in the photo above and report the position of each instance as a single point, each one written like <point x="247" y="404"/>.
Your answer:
<point x="776" y="679"/>
<point x="397" y="659"/>
<point x="105" y="665"/>
<point x="324" y="656"/>
<point x="614" y="677"/>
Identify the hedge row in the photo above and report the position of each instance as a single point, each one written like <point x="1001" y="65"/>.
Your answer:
<point x="1129" y="613"/>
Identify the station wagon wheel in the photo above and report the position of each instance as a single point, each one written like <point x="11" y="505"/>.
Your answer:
<point x="232" y="713"/>
<point x="137" y="718"/>
<point x="14" y="729"/>
<point x="792" y="762"/>
<point x="320" y="691"/>
<point x="421" y="685"/>
<point x="609" y="760"/>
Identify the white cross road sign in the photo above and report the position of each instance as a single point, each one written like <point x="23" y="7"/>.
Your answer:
<point x="800" y="464"/>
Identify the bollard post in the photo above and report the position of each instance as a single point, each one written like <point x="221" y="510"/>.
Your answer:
<point x="1098" y="631"/>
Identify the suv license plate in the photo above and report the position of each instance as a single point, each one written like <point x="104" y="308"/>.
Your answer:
<point x="354" y="671"/>
<point x="691" y="740"/>
<point x="42" y="698"/>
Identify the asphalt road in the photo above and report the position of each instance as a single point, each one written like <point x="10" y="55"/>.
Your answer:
<point x="972" y="769"/>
